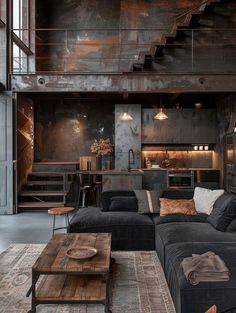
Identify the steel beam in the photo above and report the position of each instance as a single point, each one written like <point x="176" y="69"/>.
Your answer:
<point x="135" y="83"/>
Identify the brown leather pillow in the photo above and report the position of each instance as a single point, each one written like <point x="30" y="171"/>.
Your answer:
<point x="173" y="206"/>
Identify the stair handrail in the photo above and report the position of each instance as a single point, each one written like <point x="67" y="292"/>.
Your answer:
<point x="189" y="11"/>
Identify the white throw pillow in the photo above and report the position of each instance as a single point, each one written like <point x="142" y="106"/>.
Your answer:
<point x="204" y="199"/>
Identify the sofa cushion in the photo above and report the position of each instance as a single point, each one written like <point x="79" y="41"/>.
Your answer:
<point x="188" y="298"/>
<point x="107" y="195"/>
<point x="122" y="203"/>
<point x="148" y="201"/>
<point x="177" y="206"/>
<point x="232" y="226"/>
<point x="205" y="198"/>
<point x="130" y="230"/>
<point x="191" y="232"/>
<point x="170" y="233"/>
<point x="199" y="218"/>
<point x="224" y="211"/>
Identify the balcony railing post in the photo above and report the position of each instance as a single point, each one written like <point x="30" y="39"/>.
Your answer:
<point x="192" y="57"/>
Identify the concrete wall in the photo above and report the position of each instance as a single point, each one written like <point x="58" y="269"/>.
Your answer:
<point x="127" y="135"/>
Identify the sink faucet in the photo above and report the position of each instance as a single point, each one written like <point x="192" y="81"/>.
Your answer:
<point x="131" y="153"/>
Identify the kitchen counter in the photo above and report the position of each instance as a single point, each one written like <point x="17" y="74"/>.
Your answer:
<point x="122" y="172"/>
<point x="181" y="169"/>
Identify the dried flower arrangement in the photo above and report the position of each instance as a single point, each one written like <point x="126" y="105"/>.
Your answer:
<point x="102" y="146"/>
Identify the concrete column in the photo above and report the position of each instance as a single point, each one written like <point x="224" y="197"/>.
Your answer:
<point x="127" y="135"/>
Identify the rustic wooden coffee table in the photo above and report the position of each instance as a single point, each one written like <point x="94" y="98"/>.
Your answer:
<point x="69" y="281"/>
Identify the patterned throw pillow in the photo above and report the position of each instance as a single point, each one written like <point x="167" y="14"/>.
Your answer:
<point x="148" y="201"/>
<point x="173" y="206"/>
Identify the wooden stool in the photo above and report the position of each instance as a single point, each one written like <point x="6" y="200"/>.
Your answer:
<point x="60" y="211"/>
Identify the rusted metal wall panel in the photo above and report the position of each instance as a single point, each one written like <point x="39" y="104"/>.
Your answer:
<point x="137" y="24"/>
<point x="65" y="127"/>
<point x="183" y="126"/>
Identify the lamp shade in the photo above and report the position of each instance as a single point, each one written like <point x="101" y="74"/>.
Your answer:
<point x="160" y="116"/>
<point x="126" y="117"/>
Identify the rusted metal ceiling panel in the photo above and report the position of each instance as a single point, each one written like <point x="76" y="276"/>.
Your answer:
<point x="123" y="83"/>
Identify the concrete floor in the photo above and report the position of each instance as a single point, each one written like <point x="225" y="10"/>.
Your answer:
<point x="27" y="227"/>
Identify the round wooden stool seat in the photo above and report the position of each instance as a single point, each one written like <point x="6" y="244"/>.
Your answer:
<point x="60" y="211"/>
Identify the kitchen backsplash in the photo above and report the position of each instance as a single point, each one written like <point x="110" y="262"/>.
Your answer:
<point x="178" y="159"/>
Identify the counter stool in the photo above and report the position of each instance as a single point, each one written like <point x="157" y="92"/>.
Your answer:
<point x="60" y="211"/>
<point x="86" y="188"/>
<point x="98" y="193"/>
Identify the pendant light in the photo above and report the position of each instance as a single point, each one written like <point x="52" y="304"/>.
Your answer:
<point x="161" y="115"/>
<point x="125" y="116"/>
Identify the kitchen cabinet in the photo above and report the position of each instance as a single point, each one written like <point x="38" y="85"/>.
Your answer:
<point x="122" y="180"/>
<point x="154" y="179"/>
<point x="183" y="126"/>
<point x="230" y="162"/>
<point x="207" y="178"/>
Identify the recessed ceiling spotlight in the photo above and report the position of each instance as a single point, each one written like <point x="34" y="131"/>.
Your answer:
<point x="125" y="95"/>
<point x="178" y="106"/>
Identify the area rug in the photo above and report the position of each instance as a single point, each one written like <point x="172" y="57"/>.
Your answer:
<point x="138" y="284"/>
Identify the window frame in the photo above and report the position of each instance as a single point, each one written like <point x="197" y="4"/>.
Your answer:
<point x="17" y="37"/>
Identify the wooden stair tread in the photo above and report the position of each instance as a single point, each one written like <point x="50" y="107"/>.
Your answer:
<point x="40" y="204"/>
<point x="44" y="182"/>
<point x="52" y="173"/>
<point x="42" y="193"/>
<point x="56" y="163"/>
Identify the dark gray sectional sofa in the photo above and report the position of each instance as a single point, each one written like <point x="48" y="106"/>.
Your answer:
<point x="174" y="238"/>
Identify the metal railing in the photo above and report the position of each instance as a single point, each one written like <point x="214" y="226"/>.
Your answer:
<point x="201" y="50"/>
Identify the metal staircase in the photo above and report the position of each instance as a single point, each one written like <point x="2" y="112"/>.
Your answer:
<point x="181" y="21"/>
